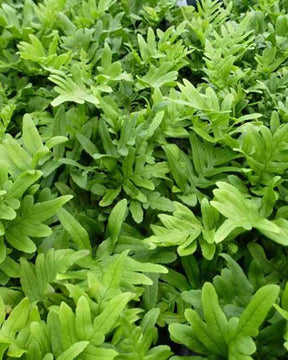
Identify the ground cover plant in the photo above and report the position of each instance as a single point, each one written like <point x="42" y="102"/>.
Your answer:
<point x="143" y="180"/>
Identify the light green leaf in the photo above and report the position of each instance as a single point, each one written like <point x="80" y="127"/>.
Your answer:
<point x="31" y="138"/>
<point x="17" y="319"/>
<point x="116" y="219"/>
<point x="73" y="351"/>
<point x="110" y="196"/>
<point x="72" y="226"/>
<point x="83" y="320"/>
<point x="104" y="322"/>
<point x="23" y="182"/>
<point x="257" y="310"/>
<point x="213" y="314"/>
<point x="157" y="77"/>
<point x="44" y="210"/>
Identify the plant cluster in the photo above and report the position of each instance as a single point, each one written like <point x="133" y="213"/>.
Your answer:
<point x="143" y="180"/>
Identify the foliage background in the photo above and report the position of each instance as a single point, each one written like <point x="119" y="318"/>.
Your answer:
<point x="143" y="180"/>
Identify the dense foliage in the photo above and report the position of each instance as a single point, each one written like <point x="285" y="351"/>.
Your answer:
<point x="143" y="180"/>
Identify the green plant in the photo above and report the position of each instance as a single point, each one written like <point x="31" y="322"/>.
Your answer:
<point x="143" y="180"/>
